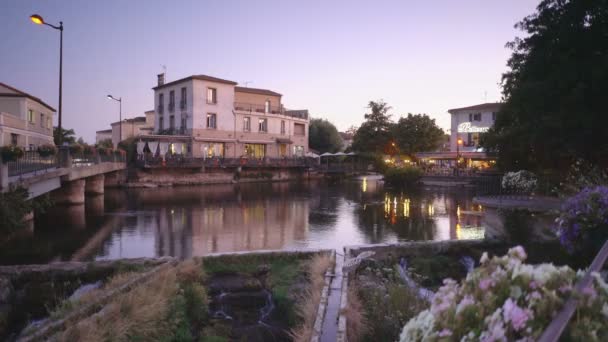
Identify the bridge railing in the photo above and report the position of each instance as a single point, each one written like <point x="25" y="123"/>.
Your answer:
<point x="191" y="162"/>
<point x="32" y="163"/>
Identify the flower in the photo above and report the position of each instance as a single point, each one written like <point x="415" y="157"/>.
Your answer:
<point x="516" y="315"/>
<point x="520" y="181"/>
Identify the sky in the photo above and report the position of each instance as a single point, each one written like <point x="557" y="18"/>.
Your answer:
<point x="330" y="57"/>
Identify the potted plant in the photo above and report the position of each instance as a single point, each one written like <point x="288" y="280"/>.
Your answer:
<point x="11" y="153"/>
<point x="47" y="150"/>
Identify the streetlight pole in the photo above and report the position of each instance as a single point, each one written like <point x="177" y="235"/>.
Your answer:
<point x="119" y="100"/>
<point x="36" y="19"/>
<point x="458" y="143"/>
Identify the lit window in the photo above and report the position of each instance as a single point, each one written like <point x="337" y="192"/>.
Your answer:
<point x="211" y="95"/>
<point x="267" y="106"/>
<point x="247" y="124"/>
<point x="211" y="120"/>
<point x="255" y="150"/>
<point x="263" y="125"/>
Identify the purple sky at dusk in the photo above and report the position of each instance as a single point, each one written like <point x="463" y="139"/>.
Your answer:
<point x="330" y="57"/>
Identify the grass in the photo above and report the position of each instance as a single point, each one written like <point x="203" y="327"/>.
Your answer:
<point x="357" y="325"/>
<point x="308" y="302"/>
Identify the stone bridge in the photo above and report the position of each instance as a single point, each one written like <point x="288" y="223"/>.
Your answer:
<point x="66" y="177"/>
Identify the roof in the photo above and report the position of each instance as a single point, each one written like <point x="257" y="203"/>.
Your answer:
<point x="132" y="120"/>
<point x="105" y="131"/>
<point x="196" y="77"/>
<point x="256" y="91"/>
<point x="18" y="93"/>
<point x="483" y="106"/>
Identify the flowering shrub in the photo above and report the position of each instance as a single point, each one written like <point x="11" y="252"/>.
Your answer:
<point x="524" y="181"/>
<point x="47" y="150"/>
<point x="507" y="300"/>
<point x="584" y="219"/>
<point x="11" y="153"/>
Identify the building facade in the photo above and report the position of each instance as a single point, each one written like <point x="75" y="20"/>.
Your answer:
<point x="213" y="117"/>
<point x="469" y="122"/>
<point x="25" y="120"/>
<point x="105" y="134"/>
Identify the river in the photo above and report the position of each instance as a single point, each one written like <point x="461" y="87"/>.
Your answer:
<point x="198" y="220"/>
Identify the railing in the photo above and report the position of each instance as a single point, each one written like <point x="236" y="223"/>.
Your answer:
<point x="175" y="131"/>
<point x="32" y="162"/>
<point x="257" y="108"/>
<point x="190" y="162"/>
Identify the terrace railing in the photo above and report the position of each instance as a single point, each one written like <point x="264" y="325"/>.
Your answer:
<point x="32" y="163"/>
<point x="190" y="162"/>
<point x="257" y="108"/>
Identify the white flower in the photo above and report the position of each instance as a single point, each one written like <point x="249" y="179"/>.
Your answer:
<point x="418" y="328"/>
<point x="484" y="258"/>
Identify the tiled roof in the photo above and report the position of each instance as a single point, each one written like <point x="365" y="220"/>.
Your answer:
<point x="483" y="106"/>
<point x="256" y="91"/>
<point x="196" y="77"/>
<point x="19" y="93"/>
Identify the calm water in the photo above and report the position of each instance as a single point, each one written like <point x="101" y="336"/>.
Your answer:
<point x="194" y="221"/>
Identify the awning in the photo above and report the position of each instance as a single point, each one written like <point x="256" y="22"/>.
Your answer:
<point x="284" y="141"/>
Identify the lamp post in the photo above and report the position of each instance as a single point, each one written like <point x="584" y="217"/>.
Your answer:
<point x="119" y="100"/>
<point x="36" y="19"/>
<point x="458" y="143"/>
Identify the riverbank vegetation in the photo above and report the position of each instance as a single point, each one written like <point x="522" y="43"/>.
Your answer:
<point x="15" y="206"/>
<point x="225" y="298"/>
<point x="403" y="177"/>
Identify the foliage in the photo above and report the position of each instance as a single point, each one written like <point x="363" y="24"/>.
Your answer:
<point x="417" y="133"/>
<point x="374" y="135"/>
<point x="88" y="149"/>
<point x="14" y="205"/>
<point x="104" y="151"/>
<point x="107" y="143"/>
<point x="47" y="150"/>
<point x="583" y="223"/>
<point x="520" y="181"/>
<point x="517" y="224"/>
<point x="507" y="300"/>
<point x="582" y="175"/>
<point x="406" y="176"/>
<point x="76" y="149"/>
<point x="129" y="148"/>
<point x="555" y="90"/>
<point x="69" y="136"/>
<point x="11" y="153"/>
<point x="323" y="136"/>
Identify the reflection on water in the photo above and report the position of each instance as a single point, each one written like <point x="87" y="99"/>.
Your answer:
<point x="193" y="221"/>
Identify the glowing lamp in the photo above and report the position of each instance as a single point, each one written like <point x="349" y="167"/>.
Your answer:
<point x="36" y="19"/>
<point x="459" y="141"/>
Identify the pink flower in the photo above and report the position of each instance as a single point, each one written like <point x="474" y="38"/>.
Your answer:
<point x="485" y="283"/>
<point x="533" y="284"/>
<point x="445" y="332"/>
<point x="518" y="252"/>
<point x="516" y="315"/>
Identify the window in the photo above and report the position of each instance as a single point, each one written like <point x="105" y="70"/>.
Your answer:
<point x="183" y="100"/>
<point x="30" y="116"/>
<point x="493" y="116"/>
<point x="161" y="103"/>
<point x="49" y="122"/>
<point x="267" y="106"/>
<point x="469" y="139"/>
<point x="42" y="122"/>
<point x="211" y="95"/>
<point x="246" y="124"/>
<point x="263" y="125"/>
<point x="282" y="150"/>
<point x="299" y="129"/>
<point x="470" y="117"/>
<point x="255" y="150"/>
<point x="171" y="100"/>
<point x="184" y="122"/>
<point x="477" y="117"/>
<point x="14" y="139"/>
<point x="171" y="122"/>
<point x="282" y="126"/>
<point x="212" y="120"/>
<point x="211" y="150"/>
<point x="160" y="123"/>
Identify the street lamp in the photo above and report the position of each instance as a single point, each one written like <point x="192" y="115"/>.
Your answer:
<point x="36" y="19"/>
<point x="458" y="143"/>
<point x="119" y="116"/>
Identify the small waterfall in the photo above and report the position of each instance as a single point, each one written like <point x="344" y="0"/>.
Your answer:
<point x="220" y="313"/>
<point x="267" y="309"/>
<point x="422" y="292"/>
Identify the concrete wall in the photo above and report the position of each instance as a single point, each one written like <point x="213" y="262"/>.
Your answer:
<point x="170" y="176"/>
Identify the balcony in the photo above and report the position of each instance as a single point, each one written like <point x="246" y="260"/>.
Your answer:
<point x="160" y="109"/>
<point x="175" y="131"/>
<point x="257" y="108"/>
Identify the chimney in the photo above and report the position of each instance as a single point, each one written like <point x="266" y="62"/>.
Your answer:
<point x="161" y="79"/>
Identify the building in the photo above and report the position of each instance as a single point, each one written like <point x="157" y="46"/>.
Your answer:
<point x="469" y="122"/>
<point x="212" y="117"/>
<point x="25" y="120"/>
<point x="100" y="136"/>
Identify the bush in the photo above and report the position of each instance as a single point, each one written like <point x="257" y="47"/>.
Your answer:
<point x="89" y="150"/>
<point x="507" y="300"/>
<point x="76" y="149"/>
<point x="13" y="207"/>
<point x="407" y="176"/>
<point x="11" y="153"/>
<point x="583" y="223"/>
<point x="47" y="150"/>
<point x="520" y="181"/>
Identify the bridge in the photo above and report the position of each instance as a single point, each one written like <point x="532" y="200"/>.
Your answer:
<point x="67" y="176"/>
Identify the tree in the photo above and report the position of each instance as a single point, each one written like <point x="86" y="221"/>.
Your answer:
<point x="323" y="136"/>
<point x="554" y="92"/>
<point x="106" y="143"/>
<point x="374" y="135"/>
<point x="68" y="135"/>
<point x="417" y="133"/>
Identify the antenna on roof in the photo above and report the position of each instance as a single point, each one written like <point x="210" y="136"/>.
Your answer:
<point x="247" y="82"/>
